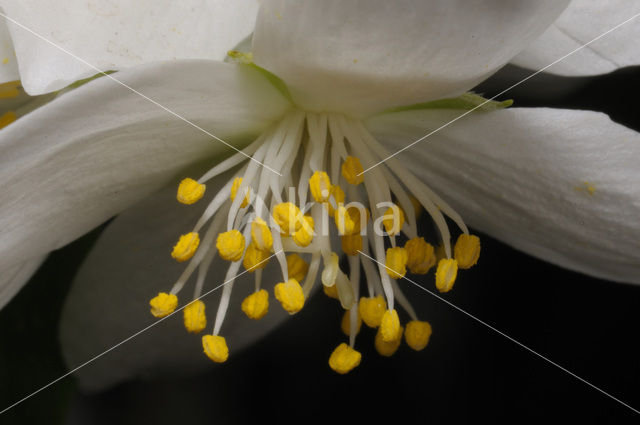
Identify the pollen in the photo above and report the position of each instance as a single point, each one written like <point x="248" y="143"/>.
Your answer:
<point x="349" y="220"/>
<point x="320" y="186"/>
<point x="352" y="170"/>
<point x="304" y="236"/>
<point x="446" y="274"/>
<point x="296" y="267"/>
<point x="372" y="309"/>
<point x="467" y="250"/>
<point x="396" y="262"/>
<point x="261" y="234"/>
<point x="256" y="305"/>
<point x="194" y="317"/>
<point x="345" y="323"/>
<point x="255" y="258"/>
<point x="230" y="245"/>
<point x="287" y="216"/>
<point x="393" y="220"/>
<point x="344" y="359"/>
<point x="338" y="196"/>
<point x="387" y="348"/>
<point x="186" y="247"/>
<point x="390" y="326"/>
<point x="234" y="190"/>
<point x="215" y="347"/>
<point x="163" y="304"/>
<point x="420" y="255"/>
<point x="290" y="295"/>
<point x="330" y="291"/>
<point x="417" y="334"/>
<point x="351" y="244"/>
<point x="190" y="191"/>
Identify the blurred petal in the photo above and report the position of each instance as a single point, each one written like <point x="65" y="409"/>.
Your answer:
<point x="119" y="34"/>
<point x="14" y="277"/>
<point x="68" y="166"/>
<point x="561" y="185"/>
<point x="366" y="56"/>
<point x="580" y="23"/>
<point x="8" y="63"/>
<point x="130" y="264"/>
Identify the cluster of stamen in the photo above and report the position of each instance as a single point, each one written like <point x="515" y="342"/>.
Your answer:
<point x="326" y="154"/>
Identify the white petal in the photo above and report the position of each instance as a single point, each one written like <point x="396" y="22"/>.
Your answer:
<point x="8" y="63"/>
<point x="119" y="34"/>
<point x="561" y="185"/>
<point x="109" y="299"/>
<point x="13" y="278"/>
<point x="365" y="56"/>
<point x="580" y="23"/>
<point x="73" y="163"/>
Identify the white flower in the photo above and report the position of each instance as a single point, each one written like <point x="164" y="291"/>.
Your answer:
<point x="557" y="184"/>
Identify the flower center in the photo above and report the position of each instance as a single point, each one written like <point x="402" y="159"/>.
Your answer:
<point x="268" y="215"/>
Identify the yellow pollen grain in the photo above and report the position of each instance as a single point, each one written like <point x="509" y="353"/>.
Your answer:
<point x="396" y="263"/>
<point x="420" y="255"/>
<point x="230" y="245"/>
<point x="387" y="348"/>
<point x="261" y="234"/>
<point x="234" y="190"/>
<point x="372" y="309"/>
<point x="467" y="250"/>
<point x="7" y="118"/>
<point x="297" y="267"/>
<point x="390" y="326"/>
<point x="256" y="305"/>
<point x="194" y="317"/>
<point x="215" y="347"/>
<point x="446" y="274"/>
<point x="344" y="359"/>
<point x="351" y="244"/>
<point x="345" y="323"/>
<point x="186" y="247"/>
<point x="304" y="236"/>
<point x="586" y="187"/>
<point x="190" y="191"/>
<point x="393" y="222"/>
<point x="352" y="169"/>
<point x="255" y="258"/>
<point x="320" y="186"/>
<point x="417" y="334"/>
<point x="288" y="217"/>
<point x="349" y="220"/>
<point x="163" y="304"/>
<point x="290" y="295"/>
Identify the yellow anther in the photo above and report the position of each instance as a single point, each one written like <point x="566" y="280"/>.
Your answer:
<point x="190" y="191"/>
<point x="349" y="220"/>
<point x="296" y="267"/>
<point x="396" y="263"/>
<point x="195" y="319"/>
<point x="387" y="348"/>
<point x="446" y="274"/>
<point x="417" y="334"/>
<point x="10" y="89"/>
<point x="345" y="323"/>
<point x="256" y="305"/>
<point x="393" y="220"/>
<point x="215" y="347"/>
<point x="230" y="245"/>
<point x="372" y="309"/>
<point x="304" y="235"/>
<point x="234" y="190"/>
<point x="421" y="256"/>
<point x="261" y="234"/>
<point x="288" y="217"/>
<point x="344" y="359"/>
<point x="390" y="326"/>
<point x="255" y="258"/>
<point x="330" y="291"/>
<point x="290" y="295"/>
<point x="163" y="304"/>
<point x="467" y="250"/>
<point x="338" y="196"/>
<point x="352" y="169"/>
<point x="351" y="244"/>
<point x="7" y="118"/>
<point x="320" y="186"/>
<point x="186" y="247"/>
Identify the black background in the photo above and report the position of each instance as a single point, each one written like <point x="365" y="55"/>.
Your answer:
<point x="467" y="374"/>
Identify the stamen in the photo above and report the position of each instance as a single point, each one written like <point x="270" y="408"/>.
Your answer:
<point x="390" y="326"/>
<point x="345" y="323"/>
<point x="351" y="244"/>
<point x="234" y="190"/>
<point x="387" y="348"/>
<point x="396" y="262"/>
<point x="344" y="359"/>
<point x="290" y="295"/>
<point x="446" y="274"/>
<point x="304" y="235"/>
<point x="420" y="255"/>
<point x="230" y="245"/>
<point x="194" y="317"/>
<point x="352" y="170"/>
<point x="261" y="235"/>
<point x="255" y="258"/>
<point x="372" y="310"/>
<point x="417" y="334"/>
<point x="297" y="267"/>
<point x="320" y="186"/>
<point x="186" y="247"/>
<point x="287" y="216"/>
<point x="215" y="347"/>
<point x="163" y="304"/>
<point x="393" y="220"/>
<point x="467" y="251"/>
<point x="190" y="191"/>
<point x="256" y="305"/>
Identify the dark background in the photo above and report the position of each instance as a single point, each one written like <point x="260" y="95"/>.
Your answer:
<point x="468" y="373"/>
